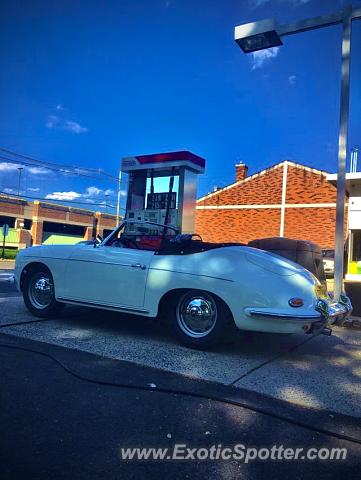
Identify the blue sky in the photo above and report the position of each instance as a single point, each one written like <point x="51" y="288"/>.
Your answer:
<point x="88" y="82"/>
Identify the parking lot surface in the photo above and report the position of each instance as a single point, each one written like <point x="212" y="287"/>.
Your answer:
<point x="320" y="372"/>
<point x="79" y="410"/>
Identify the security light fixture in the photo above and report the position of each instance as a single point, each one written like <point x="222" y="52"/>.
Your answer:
<point x="266" y="34"/>
<point x="257" y="35"/>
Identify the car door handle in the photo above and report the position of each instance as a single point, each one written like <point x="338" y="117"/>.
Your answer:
<point x="139" y="265"/>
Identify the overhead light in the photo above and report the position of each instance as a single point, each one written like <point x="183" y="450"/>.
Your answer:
<point x="255" y="36"/>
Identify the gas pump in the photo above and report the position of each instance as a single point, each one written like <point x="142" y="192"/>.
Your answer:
<point x="173" y="208"/>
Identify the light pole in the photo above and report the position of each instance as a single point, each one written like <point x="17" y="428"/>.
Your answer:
<point x="119" y="194"/>
<point x="266" y="34"/>
<point x="20" y="169"/>
<point x="106" y="201"/>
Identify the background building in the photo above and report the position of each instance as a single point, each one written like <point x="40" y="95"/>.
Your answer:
<point x="35" y="223"/>
<point x="287" y="200"/>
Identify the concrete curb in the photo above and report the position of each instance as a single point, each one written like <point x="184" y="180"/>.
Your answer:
<point x="353" y="323"/>
<point x="7" y="264"/>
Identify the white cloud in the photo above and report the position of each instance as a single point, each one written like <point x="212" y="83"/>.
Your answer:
<point x="258" y="3"/>
<point x="292" y="79"/>
<point x="12" y="167"/>
<point x="109" y="192"/>
<point x="53" y="120"/>
<point x="59" y="121"/>
<point x="74" y="127"/>
<point x="262" y="57"/>
<point x="9" y="190"/>
<point x="63" y="196"/>
<point x="38" y="170"/>
<point x="9" y="167"/>
<point x="30" y="189"/>
<point x="92" y="192"/>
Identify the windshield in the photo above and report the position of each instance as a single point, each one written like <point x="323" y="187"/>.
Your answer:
<point x="140" y="235"/>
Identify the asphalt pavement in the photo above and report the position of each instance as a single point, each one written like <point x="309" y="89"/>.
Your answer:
<point x="316" y="372"/>
<point x="67" y="414"/>
<point x="7" y="289"/>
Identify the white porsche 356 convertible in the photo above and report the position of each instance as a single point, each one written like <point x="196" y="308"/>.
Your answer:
<point x="201" y="288"/>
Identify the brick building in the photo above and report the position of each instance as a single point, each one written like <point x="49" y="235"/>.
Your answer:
<point x="287" y="199"/>
<point x="35" y="223"/>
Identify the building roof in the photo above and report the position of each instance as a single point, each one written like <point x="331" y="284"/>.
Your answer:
<point x="353" y="178"/>
<point x="262" y="172"/>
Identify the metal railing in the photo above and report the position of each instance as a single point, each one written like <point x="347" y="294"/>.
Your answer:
<point x="353" y="164"/>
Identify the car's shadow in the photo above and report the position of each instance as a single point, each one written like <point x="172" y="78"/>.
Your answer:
<point x="158" y="330"/>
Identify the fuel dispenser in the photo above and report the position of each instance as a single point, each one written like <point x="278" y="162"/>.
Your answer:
<point x="173" y="208"/>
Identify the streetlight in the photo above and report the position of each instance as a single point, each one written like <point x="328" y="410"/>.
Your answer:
<point x="106" y="201"/>
<point x="20" y="169"/>
<point x="119" y="194"/>
<point x="266" y="34"/>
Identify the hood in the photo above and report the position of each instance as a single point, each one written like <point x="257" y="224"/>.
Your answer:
<point x="53" y="251"/>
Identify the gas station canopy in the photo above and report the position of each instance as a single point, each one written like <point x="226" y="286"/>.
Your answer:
<point x="164" y="162"/>
<point x="164" y="207"/>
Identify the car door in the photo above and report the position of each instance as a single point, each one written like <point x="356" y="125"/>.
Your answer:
<point x="106" y="275"/>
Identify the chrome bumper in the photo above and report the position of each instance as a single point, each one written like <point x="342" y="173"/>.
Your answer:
<point x="335" y="313"/>
<point x="326" y="312"/>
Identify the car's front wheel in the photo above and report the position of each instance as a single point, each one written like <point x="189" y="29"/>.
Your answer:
<point x="39" y="294"/>
<point x="199" y="319"/>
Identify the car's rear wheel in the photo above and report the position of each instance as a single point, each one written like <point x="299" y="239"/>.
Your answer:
<point x="39" y="294"/>
<point x="199" y="319"/>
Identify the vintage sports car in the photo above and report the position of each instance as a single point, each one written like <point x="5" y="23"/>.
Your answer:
<point x="201" y="288"/>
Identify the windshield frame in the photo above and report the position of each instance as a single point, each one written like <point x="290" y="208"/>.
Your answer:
<point x="105" y="242"/>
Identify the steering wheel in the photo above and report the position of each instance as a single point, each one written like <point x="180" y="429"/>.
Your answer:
<point x="198" y="237"/>
<point x="128" y="241"/>
<point x="116" y="243"/>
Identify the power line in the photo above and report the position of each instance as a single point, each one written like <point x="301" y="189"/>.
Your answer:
<point x="99" y="170"/>
<point x="49" y="200"/>
<point x="76" y="170"/>
<point x="55" y="169"/>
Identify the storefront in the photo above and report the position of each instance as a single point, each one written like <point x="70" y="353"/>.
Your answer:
<point x="353" y="241"/>
<point x="354" y="244"/>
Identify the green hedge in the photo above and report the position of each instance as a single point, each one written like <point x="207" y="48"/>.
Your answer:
<point x="10" y="253"/>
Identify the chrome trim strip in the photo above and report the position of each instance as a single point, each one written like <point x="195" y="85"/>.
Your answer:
<point x="96" y="261"/>
<point x="38" y="259"/>
<point x="102" y="305"/>
<point x="259" y="313"/>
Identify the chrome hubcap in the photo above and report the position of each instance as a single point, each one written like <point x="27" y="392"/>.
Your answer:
<point x="197" y="315"/>
<point x="41" y="290"/>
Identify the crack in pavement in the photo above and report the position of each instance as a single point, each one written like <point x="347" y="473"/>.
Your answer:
<point x="270" y="360"/>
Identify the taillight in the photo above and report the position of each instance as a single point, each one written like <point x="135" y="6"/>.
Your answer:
<point x="295" y="302"/>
